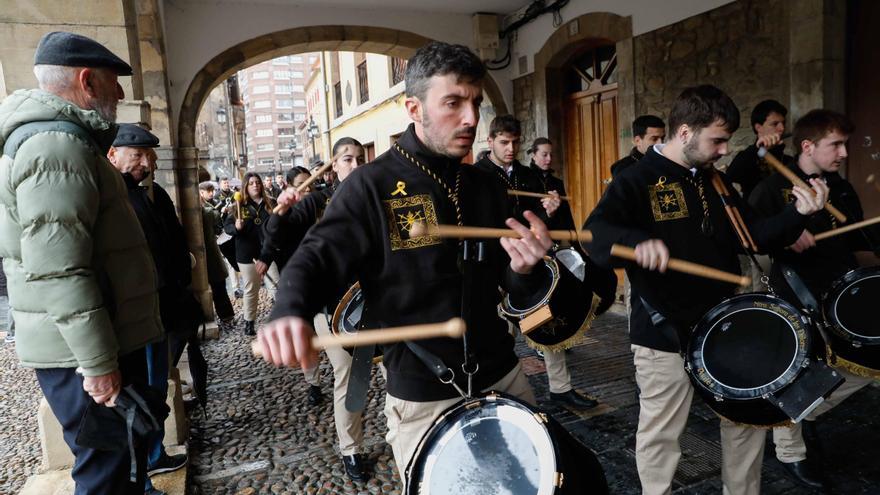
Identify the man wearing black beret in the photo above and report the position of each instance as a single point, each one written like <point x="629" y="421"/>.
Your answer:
<point x="81" y="281"/>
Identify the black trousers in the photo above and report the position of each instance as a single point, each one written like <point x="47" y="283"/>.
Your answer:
<point x="222" y="304"/>
<point x="95" y="471"/>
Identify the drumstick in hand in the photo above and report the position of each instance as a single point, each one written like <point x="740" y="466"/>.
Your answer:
<point x="453" y="328"/>
<point x="515" y="192"/>
<point x="846" y="228"/>
<point x="279" y="209"/>
<point x="795" y="180"/>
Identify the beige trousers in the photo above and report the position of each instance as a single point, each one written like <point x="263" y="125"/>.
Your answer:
<point x="251" y="281"/>
<point x="557" y="372"/>
<point x="790" y="446"/>
<point x="349" y="426"/>
<point x="409" y="421"/>
<point x="664" y="403"/>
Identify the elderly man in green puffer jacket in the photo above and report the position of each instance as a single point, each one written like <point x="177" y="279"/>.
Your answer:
<point x="81" y="280"/>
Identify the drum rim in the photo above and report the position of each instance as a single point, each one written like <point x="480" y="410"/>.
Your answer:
<point x="467" y="405"/>
<point x="340" y="308"/>
<point x="699" y="371"/>
<point x="506" y="308"/>
<point x="832" y="296"/>
<point x="576" y="253"/>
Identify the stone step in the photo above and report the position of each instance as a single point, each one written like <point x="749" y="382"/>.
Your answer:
<point x="60" y="483"/>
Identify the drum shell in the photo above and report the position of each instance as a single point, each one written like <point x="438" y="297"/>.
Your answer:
<point x="581" y="470"/>
<point x="860" y="355"/>
<point x="753" y="407"/>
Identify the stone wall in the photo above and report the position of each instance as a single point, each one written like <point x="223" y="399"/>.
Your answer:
<point x="742" y="47"/>
<point x="524" y="110"/>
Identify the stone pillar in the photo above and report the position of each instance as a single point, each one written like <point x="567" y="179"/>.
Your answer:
<point x="817" y="56"/>
<point x="190" y="207"/>
<point x="56" y="453"/>
<point x="626" y="95"/>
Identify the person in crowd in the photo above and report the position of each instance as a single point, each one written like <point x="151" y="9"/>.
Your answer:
<point x="280" y="183"/>
<point x="820" y="137"/>
<point x="296" y="176"/>
<point x="132" y="155"/>
<point x="647" y="130"/>
<point x="224" y="201"/>
<point x="80" y="274"/>
<point x="245" y="225"/>
<point x="217" y="272"/>
<point x="366" y="234"/>
<point x="666" y="207"/>
<point x="747" y="169"/>
<point x="283" y="235"/>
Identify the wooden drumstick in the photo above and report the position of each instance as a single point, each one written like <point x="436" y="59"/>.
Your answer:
<point x="846" y="228"/>
<point x="453" y="328"/>
<point x="683" y="266"/>
<point x="794" y="179"/>
<point x="515" y="192"/>
<point x="459" y="232"/>
<point x="279" y="209"/>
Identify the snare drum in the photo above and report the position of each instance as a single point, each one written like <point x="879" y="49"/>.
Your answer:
<point x="854" y="330"/>
<point x="750" y="359"/>
<point x="496" y="444"/>
<point x="555" y="317"/>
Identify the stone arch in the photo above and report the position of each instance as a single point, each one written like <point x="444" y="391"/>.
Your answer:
<point x="390" y="42"/>
<point x="593" y="29"/>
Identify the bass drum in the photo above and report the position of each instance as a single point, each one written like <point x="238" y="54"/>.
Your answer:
<point x="496" y="444"/>
<point x="854" y="330"/>
<point x="746" y="353"/>
<point x="556" y="317"/>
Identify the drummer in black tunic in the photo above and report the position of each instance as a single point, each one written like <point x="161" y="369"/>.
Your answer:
<point x="820" y="137"/>
<point x="367" y="233"/>
<point x="666" y="207"/>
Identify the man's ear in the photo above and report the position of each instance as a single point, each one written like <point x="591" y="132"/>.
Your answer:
<point x="84" y="79"/>
<point x="413" y="109"/>
<point x="111" y="155"/>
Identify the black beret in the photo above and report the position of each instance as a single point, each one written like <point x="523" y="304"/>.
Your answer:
<point x="135" y="136"/>
<point x="74" y="50"/>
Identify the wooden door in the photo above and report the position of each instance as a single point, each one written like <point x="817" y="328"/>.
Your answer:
<point x="590" y="148"/>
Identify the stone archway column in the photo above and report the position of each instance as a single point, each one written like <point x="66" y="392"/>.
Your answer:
<point x="179" y="166"/>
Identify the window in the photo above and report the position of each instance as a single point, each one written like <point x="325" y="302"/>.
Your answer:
<point x="313" y="59"/>
<point x="285" y="131"/>
<point x="281" y="74"/>
<point x="260" y="75"/>
<point x="299" y="103"/>
<point x="298" y="161"/>
<point x="263" y="118"/>
<point x="296" y="59"/>
<point x="363" y="86"/>
<point x="282" y="89"/>
<point x="280" y="61"/>
<point x="283" y="103"/>
<point x="285" y="117"/>
<point x="266" y="147"/>
<point x="398" y="70"/>
<point x="263" y="104"/>
<point x="298" y="74"/>
<point x="261" y="90"/>
<point x="264" y="132"/>
<point x="298" y="88"/>
<point x="267" y="161"/>
<point x="370" y="152"/>
<point x="337" y="98"/>
<point x="299" y="117"/>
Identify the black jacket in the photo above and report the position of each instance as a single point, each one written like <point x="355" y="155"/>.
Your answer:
<point x="631" y="159"/>
<point x="747" y="169"/>
<point x="563" y="218"/>
<point x="521" y="178"/>
<point x="658" y="200"/>
<point x="283" y="233"/>
<point x="818" y="266"/>
<point x="249" y="240"/>
<point x="364" y="235"/>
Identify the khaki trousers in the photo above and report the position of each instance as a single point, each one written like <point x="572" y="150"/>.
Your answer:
<point x="557" y="372"/>
<point x="409" y="421"/>
<point x="790" y="446"/>
<point x="664" y="403"/>
<point x="349" y="425"/>
<point x="251" y="280"/>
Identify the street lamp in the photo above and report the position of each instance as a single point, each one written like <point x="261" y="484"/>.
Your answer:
<point x="313" y="133"/>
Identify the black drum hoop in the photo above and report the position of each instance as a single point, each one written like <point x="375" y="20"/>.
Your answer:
<point x="697" y="366"/>
<point x="507" y="307"/>
<point x="831" y="300"/>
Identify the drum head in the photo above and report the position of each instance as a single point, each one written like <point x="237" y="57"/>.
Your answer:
<point x="748" y="346"/>
<point x="849" y="306"/>
<point x="572" y="261"/>
<point x="490" y="445"/>
<point x="519" y="305"/>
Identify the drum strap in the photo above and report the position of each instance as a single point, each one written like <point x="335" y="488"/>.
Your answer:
<point x="809" y="303"/>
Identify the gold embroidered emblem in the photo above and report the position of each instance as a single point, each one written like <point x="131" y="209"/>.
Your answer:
<point x="787" y="196"/>
<point x="408" y="214"/>
<point x="667" y="201"/>
<point x="401" y="189"/>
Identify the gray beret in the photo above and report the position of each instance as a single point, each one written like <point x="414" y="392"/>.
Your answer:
<point x="74" y="50"/>
<point x="135" y="136"/>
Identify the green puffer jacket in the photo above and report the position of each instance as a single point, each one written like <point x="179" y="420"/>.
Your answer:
<point x="82" y="283"/>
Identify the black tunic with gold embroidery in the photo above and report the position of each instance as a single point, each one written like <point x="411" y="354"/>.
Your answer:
<point x="365" y="235"/>
<point x="660" y="199"/>
<point x="283" y="233"/>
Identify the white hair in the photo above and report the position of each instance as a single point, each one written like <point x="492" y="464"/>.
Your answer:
<point x="55" y="77"/>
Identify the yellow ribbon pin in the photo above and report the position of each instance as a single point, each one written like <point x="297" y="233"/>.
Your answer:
<point x="401" y="189"/>
<point x="661" y="181"/>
